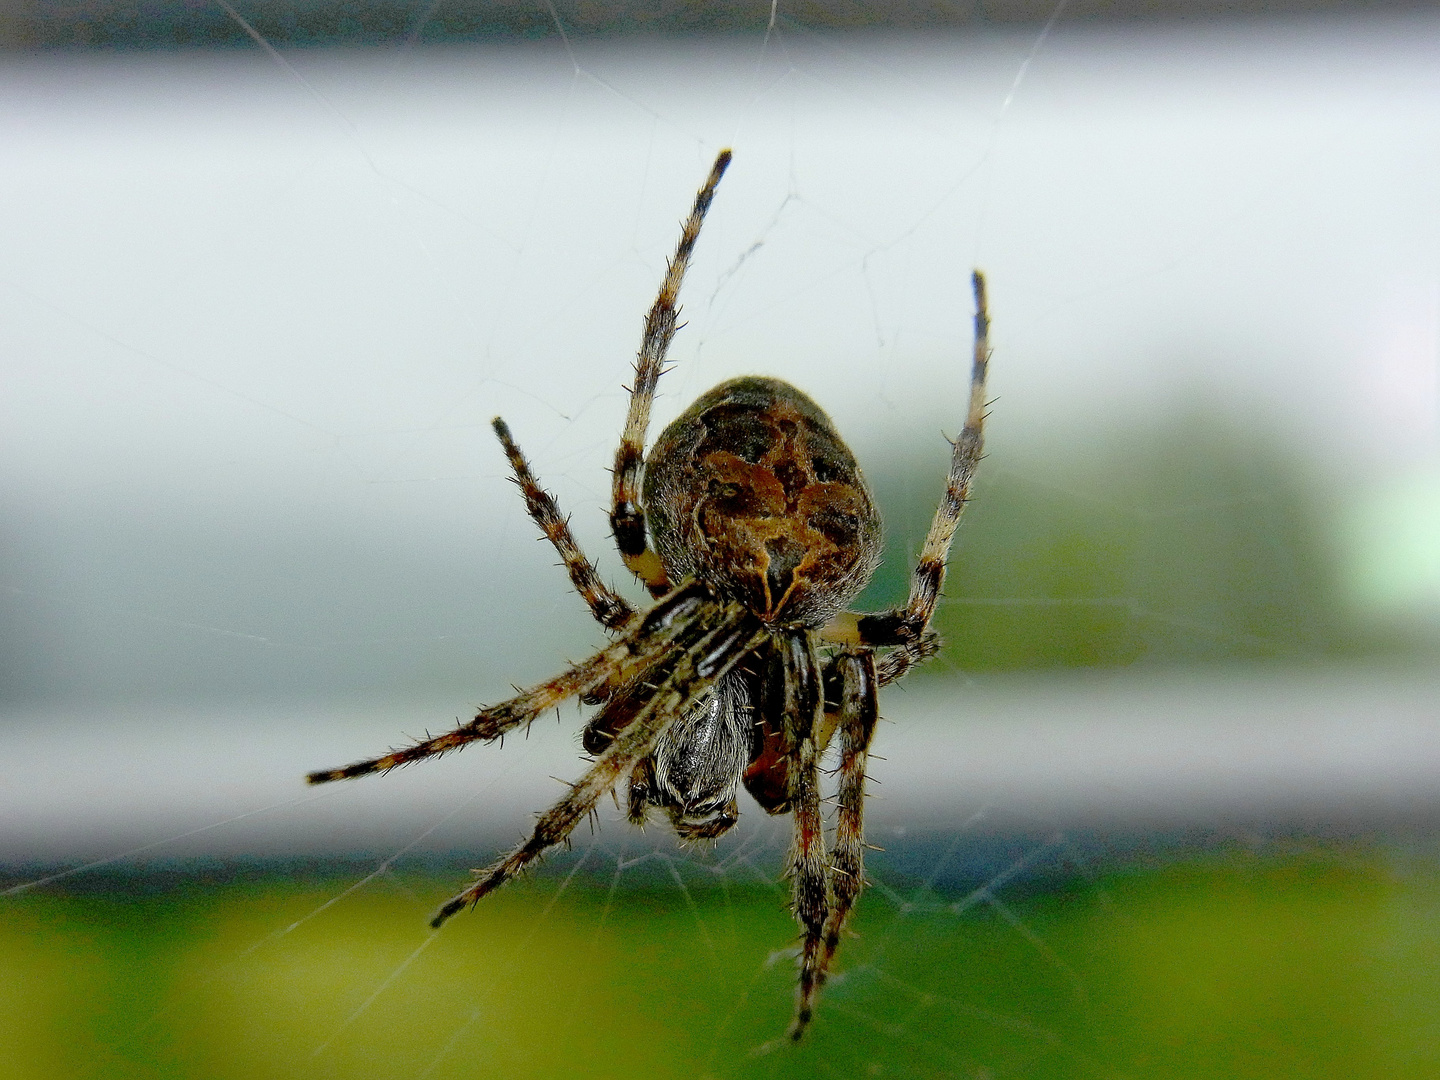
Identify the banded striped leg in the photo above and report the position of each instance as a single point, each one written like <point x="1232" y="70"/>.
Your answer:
<point x="664" y="627"/>
<point x="626" y="517"/>
<point x="895" y="665"/>
<point x="610" y="609"/>
<point x="767" y="777"/>
<point x="859" y="711"/>
<point x="809" y="871"/>
<point x="906" y="624"/>
<point x="736" y="633"/>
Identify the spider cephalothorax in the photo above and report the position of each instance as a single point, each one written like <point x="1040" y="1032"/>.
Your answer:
<point x="764" y="531"/>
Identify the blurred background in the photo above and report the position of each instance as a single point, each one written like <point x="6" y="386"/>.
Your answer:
<point x="1165" y="806"/>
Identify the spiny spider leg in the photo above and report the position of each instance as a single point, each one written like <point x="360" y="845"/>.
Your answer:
<point x="859" y="711"/>
<point x="887" y="670"/>
<point x="808" y="868"/>
<point x="903" y="625"/>
<point x="895" y="664"/>
<point x="627" y="519"/>
<point x="968" y="450"/>
<point x="610" y="609"/>
<point x="736" y="632"/>
<point x="660" y="629"/>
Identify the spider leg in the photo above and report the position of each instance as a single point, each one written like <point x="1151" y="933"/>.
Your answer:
<point x="810" y="874"/>
<point x="859" y="711"/>
<point x="671" y="622"/>
<point x="637" y="802"/>
<point x="621" y="705"/>
<point x="736" y="632"/>
<point x="610" y="609"/>
<point x="893" y="666"/>
<point x="903" y="625"/>
<point x="626" y="516"/>
<point x="767" y="775"/>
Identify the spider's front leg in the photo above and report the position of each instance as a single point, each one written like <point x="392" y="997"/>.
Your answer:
<point x="858" y="713"/>
<point x="785" y="777"/>
<point x="610" y="609"/>
<point x="627" y="517"/>
<point x="736" y="632"/>
<point x="663" y="628"/>
<point x="906" y="626"/>
<point x="767" y="777"/>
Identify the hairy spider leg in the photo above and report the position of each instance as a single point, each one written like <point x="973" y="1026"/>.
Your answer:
<point x="888" y="669"/>
<point x="894" y="665"/>
<point x="610" y="609"/>
<point x="809" y="871"/>
<point x="903" y="625"/>
<point x="858" y="713"/>
<point x="666" y="623"/>
<point x="622" y="701"/>
<point x="637" y="801"/>
<point x="968" y="450"/>
<point x="735" y="632"/>
<point x="767" y="777"/>
<point x="627" y="517"/>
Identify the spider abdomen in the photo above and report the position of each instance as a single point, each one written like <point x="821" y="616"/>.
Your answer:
<point x="753" y="492"/>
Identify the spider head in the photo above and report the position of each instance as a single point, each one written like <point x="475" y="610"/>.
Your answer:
<point x="716" y="821"/>
<point x="753" y="492"/>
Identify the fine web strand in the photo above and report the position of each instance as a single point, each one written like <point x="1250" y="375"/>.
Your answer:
<point x="898" y="899"/>
<point x="740" y="858"/>
<point x="154" y="845"/>
<point x="382" y="870"/>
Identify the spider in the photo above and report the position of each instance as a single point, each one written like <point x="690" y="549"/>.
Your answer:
<point x="763" y="532"/>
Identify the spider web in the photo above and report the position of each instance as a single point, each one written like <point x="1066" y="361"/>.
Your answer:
<point x="250" y="464"/>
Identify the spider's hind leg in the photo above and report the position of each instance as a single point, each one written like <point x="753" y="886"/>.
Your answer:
<point x="858" y="714"/>
<point x="705" y="658"/>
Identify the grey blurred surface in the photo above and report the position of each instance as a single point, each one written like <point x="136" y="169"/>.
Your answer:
<point x="1207" y="754"/>
<point x="256" y="314"/>
<point x="257" y="310"/>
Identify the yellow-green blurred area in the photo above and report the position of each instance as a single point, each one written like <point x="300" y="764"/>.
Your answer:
<point x="1189" y="538"/>
<point x="1323" y="962"/>
<point x="1166" y="804"/>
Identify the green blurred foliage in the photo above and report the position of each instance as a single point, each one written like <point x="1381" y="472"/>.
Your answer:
<point x="1193" y="538"/>
<point x="1320" y="964"/>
